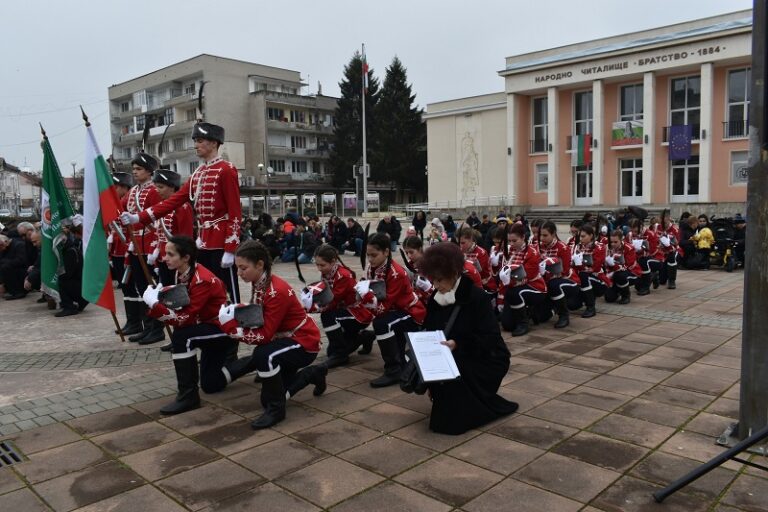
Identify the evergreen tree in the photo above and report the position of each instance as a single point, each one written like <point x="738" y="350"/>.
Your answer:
<point x="347" y="137"/>
<point x="400" y="134"/>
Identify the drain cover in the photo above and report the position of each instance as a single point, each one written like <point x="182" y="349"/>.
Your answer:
<point x="9" y="454"/>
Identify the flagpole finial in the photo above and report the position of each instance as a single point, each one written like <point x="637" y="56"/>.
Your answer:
<point x="85" y="117"/>
<point x="42" y="130"/>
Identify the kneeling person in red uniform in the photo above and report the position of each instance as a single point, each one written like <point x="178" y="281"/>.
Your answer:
<point x="196" y="325"/>
<point x="286" y="344"/>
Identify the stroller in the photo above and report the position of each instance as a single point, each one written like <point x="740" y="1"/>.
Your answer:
<point x="722" y="253"/>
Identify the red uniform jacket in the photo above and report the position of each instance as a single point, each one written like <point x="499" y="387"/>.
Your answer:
<point x="557" y="249"/>
<point x="342" y="284"/>
<point x="597" y="250"/>
<point x="178" y="222"/>
<point x="400" y="294"/>
<point x="118" y="248"/>
<point x="470" y="270"/>
<point x="653" y="244"/>
<point x="528" y="257"/>
<point x="630" y="263"/>
<point x="206" y="295"/>
<point x="214" y="192"/>
<point x="140" y="198"/>
<point x="283" y="318"/>
<point x="674" y="234"/>
<point x="481" y="256"/>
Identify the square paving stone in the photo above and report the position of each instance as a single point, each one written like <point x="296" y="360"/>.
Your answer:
<point x="329" y="481"/>
<point x="135" y="439"/>
<point x="596" y="398"/>
<point x="633" y="495"/>
<point x="387" y="455"/>
<point x="675" y="396"/>
<point x="347" y="377"/>
<point x="655" y="412"/>
<point x="525" y="401"/>
<point x="419" y="433"/>
<point x="152" y="407"/>
<point x="209" y="484"/>
<point x="621" y="385"/>
<point x="336" y="436"/>
<point x="298" y="417"/>
<point x="39" y="439"/>
<point x="567" y="374"/>
<point x="382" y="394"/>
<point x="58" y="461"/>
<point x="663" y="469"/>
<point x="633" y="430"/>
<point x="541" y="386"/>
<point x="278" y="457"/>
<point x="200" y="420"/>
<point x="9" y="481"/>
<point x="592" y="364"/>
<point x="709" y="424"/>
<point x="22" y="500"/>
<point x="577" y="480"/>
<point x="412" y="401"/>
<point x="391" y="497"/>
<point x="385" y="417"/>
<point x="264" y="498"/>
<point x="748" y="493"/>
<point x="565" y="413"/>
<point x="725" y="407"/>
<point x="529" y="366"/>
<point x="342" y="402"/>
<point x="168" y="459"/>
<point x="235" y="437"/>
<point x="496" y="453"/>
<point x="699" y="383"/>
<point x="520" y="497"/>
<point x="107" y="421"/>
<point x="601" y="451"/>
<point x="88" y="486"/>
<point x="534" y="432"/>
<point x="449" y="480"/>
<point x="696" y="446"/>
<point x="146" y="499"/>
<point x="641" y="373"/>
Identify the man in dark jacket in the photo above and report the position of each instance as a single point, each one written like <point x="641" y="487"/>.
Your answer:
<point x="32" y="281"/>
<point x="71" y="281"/>
<point x="484" y="229"/>
<point x="13" y="267"/>
<point x="391" y="226"/>
<point x="472" y="221"/>
<point x="355" y="234"/>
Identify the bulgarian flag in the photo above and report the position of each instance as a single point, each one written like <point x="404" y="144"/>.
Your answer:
<point x="365" y="73"/>
<point x="582" y="150"/>
<point x="100" y="207"/>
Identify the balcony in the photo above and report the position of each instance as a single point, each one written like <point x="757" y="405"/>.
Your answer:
<point x="695" y="133"/>
<point x="538" y="146"/>
<point x="735" y="129"/>
<point x="569" y="142"/>
<point x="274" y="124"/>
<point x="180" y="100"/>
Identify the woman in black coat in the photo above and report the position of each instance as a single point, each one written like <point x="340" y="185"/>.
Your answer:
<point x="419" y="223"/>
<point x="475" y="340"/>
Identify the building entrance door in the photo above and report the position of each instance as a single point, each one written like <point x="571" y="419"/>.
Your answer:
<point x="631" y="180"/>
<point x="583" y="186"/>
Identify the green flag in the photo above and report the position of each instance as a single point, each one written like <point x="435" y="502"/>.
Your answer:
<point x="54" y="207"/>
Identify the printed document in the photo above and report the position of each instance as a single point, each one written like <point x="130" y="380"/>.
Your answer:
<point x="435" y="360"/>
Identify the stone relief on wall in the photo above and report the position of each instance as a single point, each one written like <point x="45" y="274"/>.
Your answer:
<point x="469" y="167"/>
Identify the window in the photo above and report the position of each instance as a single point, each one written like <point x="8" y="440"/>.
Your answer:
<point x="125" y="106"/>
<point x="542" y="178"/>
<point x="739" y="167"/>
<point x="685" y="103"/>
<point x="189" y="88"/>
<point x="140" y="120"/>
<point x="631" y="177"/>
<point x="297" y="116"/>
<point x="275" y="114"/>
<point x="166" y="147"/>
<point x="168" y="117"/>
<point x="152" y="148"/>
<point x="178" y="144"/>
<point x="190" y="114"/>
<point x="299" y="166"/>
<point x="582" y="113"/>
<point x="632" y="102"/>
<point x="685" y="179"/>
<point x="539" y="127"/>
<point x="739" y="85"/>
<point x="277" y="165"/>
<point x="298" y="142"/>
<point x="193" y="167"/>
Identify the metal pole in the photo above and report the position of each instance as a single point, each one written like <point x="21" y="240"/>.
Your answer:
<point x="365" y="152"/>
<point x="753" y="401"/>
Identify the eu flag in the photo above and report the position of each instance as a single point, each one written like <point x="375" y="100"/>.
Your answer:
<point x="680" y="141"/>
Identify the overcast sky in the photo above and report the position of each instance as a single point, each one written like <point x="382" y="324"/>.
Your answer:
<point x="58" y="54"/>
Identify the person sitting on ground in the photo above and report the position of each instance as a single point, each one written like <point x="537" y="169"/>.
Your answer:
<point x="480" y="353"/>
<point x="32" y="281"/>
<point x="704" y="240"/>
<point x="355" y="235"/>
<point x="13" y="267"/>
<point x="71" y="281"/>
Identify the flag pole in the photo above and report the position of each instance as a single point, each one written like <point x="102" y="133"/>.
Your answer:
<point x="365" y="152"/>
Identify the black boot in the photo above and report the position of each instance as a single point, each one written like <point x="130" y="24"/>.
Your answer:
<point x="671" y="277"/>
<point x="521" y="321"/>
<point x="187" y="375"/>
<point x="167" y="347"/>
<point x="655" y="279"/>
<point x="625" y="293"/>
<point x="563" y="318"/>
<point x="141" y="311"/>
<point x="133" y="323"/>
<point x="156" y="332"/>
<point x="338" y="355"/>
<point x="589" y="302"/>
<point x="309" y="375"/>
<point x="644" y="285"/>
<point x="239" y="367"/>
<point x="273" y="397"/>
<point x="392" y="366"/>
<point x="366" y="339"/>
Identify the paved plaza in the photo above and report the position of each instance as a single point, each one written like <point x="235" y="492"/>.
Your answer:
<point x="611" y="409"/>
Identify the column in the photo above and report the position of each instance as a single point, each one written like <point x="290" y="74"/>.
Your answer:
<point x="705" y="142"/>
<point x="553" y="139"/>
<point x="597" y="142"/>
<point x="649" y="134"/>
<point x="512" y="130"/>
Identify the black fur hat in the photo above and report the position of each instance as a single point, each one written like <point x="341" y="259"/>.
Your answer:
<point x="208" y="131"/>
<point x="166" y="177"/>
<point x="146" y="161"/>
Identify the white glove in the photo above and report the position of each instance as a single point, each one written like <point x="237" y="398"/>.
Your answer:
<point x="152" y="258"/>
<point x="227" y="260"/>
<point x="199" y="243"/>
<point x="423" y="284"/>
<point x="543" y="268"/>
<point x="362" y="288"/>
<point x="110" y="238"/>
<point x="130" y="247"/>
<point x="577" y="259"/>
<point x="603" y="230"/>
<point x="495" y="257"/>
<point x="637" y="243"/>
<point x="306" y="299"/>
<point x="505" y="275"/>
<point x="610" y="261"/>
<point x="665" y="241"/>
<point x="226" y="313"/>
<point x="129" y="218"/>
<point x="151" y="295"/>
